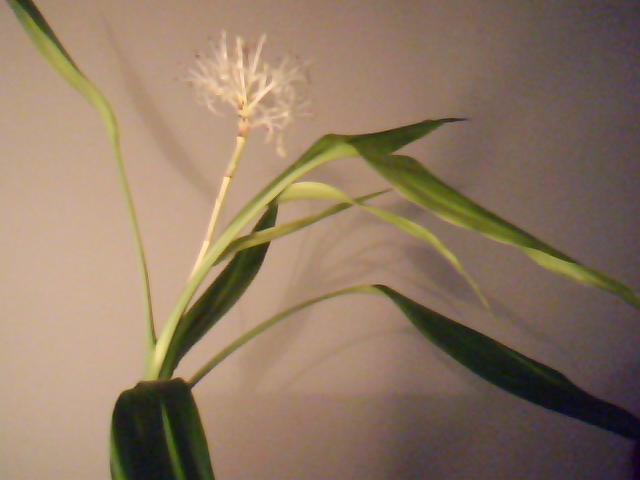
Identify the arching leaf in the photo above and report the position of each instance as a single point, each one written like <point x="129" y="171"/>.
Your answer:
<point x="418" y="185"/>
<point x="493" y="361"/>
<point x="52" y="50"/>
<point x="326" y="149"/>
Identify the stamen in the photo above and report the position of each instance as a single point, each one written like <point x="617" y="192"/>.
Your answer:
<point x="260" y="94"/>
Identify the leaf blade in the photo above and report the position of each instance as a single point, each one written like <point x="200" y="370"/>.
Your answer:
<point x="418" y="185"/>
<point x="328" y="148"/>
<point x="219" y="297"/>
<point x="323" y="191"/>
<point x="157" y="434"/>
<point x="493" y="361"/>
<point x="279" y="231"/>
<point x="56" y="55"/>
<point x="513" y="372"/>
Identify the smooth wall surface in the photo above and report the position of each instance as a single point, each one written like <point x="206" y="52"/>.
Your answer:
<point x="347" y="389"/>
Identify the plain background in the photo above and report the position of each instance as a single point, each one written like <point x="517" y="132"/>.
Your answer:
<point x="347" y="389"/>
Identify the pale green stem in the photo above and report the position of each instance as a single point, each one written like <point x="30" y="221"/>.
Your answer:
<point x="133" y="218"/>
<point x="241" y="140"/>
<point x="254" y="332"/>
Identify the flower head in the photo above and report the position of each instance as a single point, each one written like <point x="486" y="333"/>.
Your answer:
<point x="261" y="94"/>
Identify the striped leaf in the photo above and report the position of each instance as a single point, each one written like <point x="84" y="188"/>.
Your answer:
<point x="156" y="434"/>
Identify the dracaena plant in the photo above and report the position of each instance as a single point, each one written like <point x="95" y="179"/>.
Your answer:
<point x="156" y="430"/>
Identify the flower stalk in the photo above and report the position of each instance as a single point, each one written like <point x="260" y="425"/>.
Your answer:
<point x="261" y="95"/>
<point x="229" y="174"/>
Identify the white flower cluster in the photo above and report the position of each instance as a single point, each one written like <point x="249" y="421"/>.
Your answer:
<point x="262" y="95"/>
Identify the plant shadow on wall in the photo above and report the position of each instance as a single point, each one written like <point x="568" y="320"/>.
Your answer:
<point x="162" y="133"/>
<point x="374" y="254"/>
<point x="384" y="436"/>
<point x="156" y="428"/>
<point x="314" y="272"/>
<point x="324" y="259"/>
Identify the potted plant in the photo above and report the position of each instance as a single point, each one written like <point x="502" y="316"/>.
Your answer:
<point x="156" y="428"/>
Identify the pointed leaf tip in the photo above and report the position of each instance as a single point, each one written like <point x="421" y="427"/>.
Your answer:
<point x="513" y="372"/>
<point x="418" y="185"/>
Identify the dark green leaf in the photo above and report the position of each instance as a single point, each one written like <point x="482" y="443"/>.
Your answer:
<point x="491" y="360"/>
<point x="221" y="295"/>
<point x="513" y="371"/>
<point x="388" y="141"/>
<point x="418" y="185"/>
<point x="156" y="434"/>
<point x="26" y="11"/>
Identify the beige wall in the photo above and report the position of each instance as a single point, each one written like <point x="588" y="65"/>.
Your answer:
<point x="346" y="390"/>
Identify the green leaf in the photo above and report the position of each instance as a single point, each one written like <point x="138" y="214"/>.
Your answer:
<point x="156" y="434"/>
<point x="275" y="232"/>
<point x="322" y="191"/>
<point x="418" y="185"/>
<point x="267" y="324"/>
<point x="514" y="372"/>
<point x="52" y="50"/>
<point x="326" y="149"/>
<point x="491" y="360"/>
<point x="221" y="295"/>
